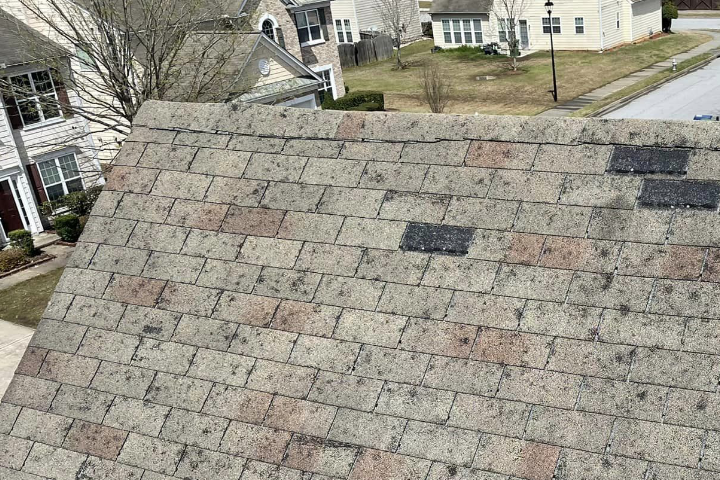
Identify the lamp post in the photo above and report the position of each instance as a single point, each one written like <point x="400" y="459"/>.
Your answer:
<point x="549" y="7"/>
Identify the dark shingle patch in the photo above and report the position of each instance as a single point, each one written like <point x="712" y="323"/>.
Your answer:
<point x="672" y="193"/>
<point x="437" y="238"/>
<point x="649" y="160"/>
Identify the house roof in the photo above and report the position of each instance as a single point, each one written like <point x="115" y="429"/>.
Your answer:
<point x="461" y="6"/>
<point x="20" y="44"/>
<point x="261" y="292"/>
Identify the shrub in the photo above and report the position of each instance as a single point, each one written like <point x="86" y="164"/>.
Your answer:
<point x="22" y="240"/>
<point x="80" y="203"/>
<point x="368" y="101"/>
<point x="669" y="13"/>
<point x="68" y="227"/>
<point x="11" y="259"/>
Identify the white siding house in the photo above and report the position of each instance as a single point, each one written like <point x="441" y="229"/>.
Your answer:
<point x="363" y="17"/>
<point x="577" y="25"/>
<point x="45" y="152"/>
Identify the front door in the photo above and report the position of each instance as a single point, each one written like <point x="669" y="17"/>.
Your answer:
<point x="524" y="35"/>
<point x="9" y="214"/>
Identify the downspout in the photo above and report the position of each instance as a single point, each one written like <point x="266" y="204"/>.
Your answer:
<point x="632" y="32"/>
<point x="602" y="39"/>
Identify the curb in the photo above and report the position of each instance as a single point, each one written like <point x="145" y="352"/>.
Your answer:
<point x="618" y="104"/>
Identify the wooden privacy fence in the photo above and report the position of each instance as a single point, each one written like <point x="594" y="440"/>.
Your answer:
<point x="365" y="51"/>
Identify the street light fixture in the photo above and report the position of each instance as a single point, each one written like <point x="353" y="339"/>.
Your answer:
<point x="549" y="7"/>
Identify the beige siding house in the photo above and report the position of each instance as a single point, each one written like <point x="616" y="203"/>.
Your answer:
<point x="360" y="17"/>
<point x="46" y="152"/>
<point x="306" y="29"/>
<point x="578" y="25"/>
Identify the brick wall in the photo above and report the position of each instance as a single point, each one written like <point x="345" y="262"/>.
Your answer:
<point x="313" y="56"/>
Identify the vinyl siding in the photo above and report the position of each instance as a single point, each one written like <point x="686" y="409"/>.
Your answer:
<point x="345" y="9"/>
<point x="369" y="19"/>
<point x="613" y="36"/>
<point x="279" y="70"/>
<point x="106" y="141"/>
<point x="647" y="18"/>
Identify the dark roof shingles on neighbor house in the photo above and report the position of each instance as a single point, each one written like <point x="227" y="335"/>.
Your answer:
<point x="268" y="293"/>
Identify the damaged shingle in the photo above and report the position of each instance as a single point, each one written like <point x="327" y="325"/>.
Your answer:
<point x="673" y="161"/>
<point x="437" y="238"/>
<point x="672" y="193"/>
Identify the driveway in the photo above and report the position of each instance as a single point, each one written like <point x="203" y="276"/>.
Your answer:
<point x="681" y="99"/>
<point x="696" y="24"/>
<point x="14" y="340"/>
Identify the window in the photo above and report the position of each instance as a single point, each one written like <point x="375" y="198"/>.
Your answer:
<point x="268" y="28"/>
<point x="86" y="62"/>
<point x="477" y="27"/>
<point x="579" y="25"/>
<point x="446" y="31"/>
<point x="36" y="97"/>
<point x="555" y="25"/>
<point x="466" y="31"/>
<point x="327" y="86"/>
<point x="502" y="30"/>
<point x="617" y="19"/>
<point x="308" y="25"/>
<point x="343" y="30"/>
<point x="60" y="176"/>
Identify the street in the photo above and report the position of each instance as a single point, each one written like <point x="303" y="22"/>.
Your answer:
<point x="682" y="99"/>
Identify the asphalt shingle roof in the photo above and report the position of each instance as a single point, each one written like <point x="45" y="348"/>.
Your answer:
<point x="270" y="293"/>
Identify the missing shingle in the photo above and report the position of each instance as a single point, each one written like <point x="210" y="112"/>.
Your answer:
<point x="644" y="160"/>
<point x="442" y="239"/>
<point x="681" y="194"/>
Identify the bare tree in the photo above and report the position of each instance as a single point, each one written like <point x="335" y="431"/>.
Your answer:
<point x="508" y="13"/>
<point x="124" y="52"/>
<point x="396" y="16"/>
<point x="435" y="87"/>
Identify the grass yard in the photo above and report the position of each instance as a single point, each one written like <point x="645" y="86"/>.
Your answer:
<point x="25" y="303"/>
<point x="525" y="92"/>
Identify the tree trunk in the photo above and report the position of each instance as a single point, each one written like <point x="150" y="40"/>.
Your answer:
<point x="399" y="61"/>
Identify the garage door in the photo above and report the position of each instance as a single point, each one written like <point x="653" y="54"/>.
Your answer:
<point x="697" y="4"/>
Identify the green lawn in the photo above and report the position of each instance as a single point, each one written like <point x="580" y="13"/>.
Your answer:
<point x="525" y="92"/>
<point x="25" y="303"/>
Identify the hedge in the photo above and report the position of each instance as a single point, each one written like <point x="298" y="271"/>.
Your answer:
<point x="22" y="240"/>
<point x="368" y="101"/>
<point x="68" y="227"/>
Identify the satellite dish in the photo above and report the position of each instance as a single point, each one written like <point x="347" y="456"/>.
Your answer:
<point x="264" y="66"/>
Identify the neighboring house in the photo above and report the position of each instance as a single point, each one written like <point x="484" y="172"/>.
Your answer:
<point x="45" y="152"/>
<point x="258" y="71"/>
<point x="305" y="28"/>
<point x="587" y="25"/>
<point x="698" y="4"/>
<point x="355" y="19"/>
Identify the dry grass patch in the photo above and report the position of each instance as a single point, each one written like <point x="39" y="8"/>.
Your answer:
<point x="525" y="92"/>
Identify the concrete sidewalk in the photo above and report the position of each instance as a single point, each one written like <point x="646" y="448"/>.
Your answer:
<point x="14" y="339"/>
<point x="62" y="255"/>
<point x="598" y="94"/>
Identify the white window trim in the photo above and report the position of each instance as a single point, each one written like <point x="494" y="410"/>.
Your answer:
<point x="344" y="30"/>
<point x="63" y="180"/>
<point x="559" y="25"/>
<point x="324" y="68"/>
<point x="322" y="38"/>
<point x="462" y="30"/>
<point x="43" y="122"/>
<point x="274" y="21"/>
<point x="581" y="25"/>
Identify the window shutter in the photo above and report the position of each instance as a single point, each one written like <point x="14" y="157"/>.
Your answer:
<point x="13" y="112"/>
<point x="36" y="182"/>
<point x="279" y="37"/>
<point x="62" y="94"/>
<point x="323" y="24"/>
